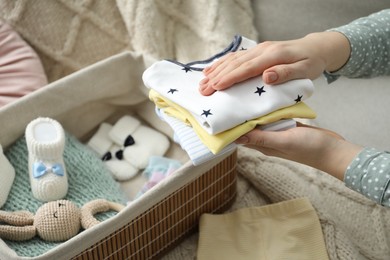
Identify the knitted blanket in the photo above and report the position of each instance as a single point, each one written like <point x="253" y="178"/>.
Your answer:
<point x="353" y="226"/>
<point x="70" y="35"/>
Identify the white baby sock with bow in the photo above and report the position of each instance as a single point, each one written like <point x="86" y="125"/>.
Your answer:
<point x="45" y="139"/>
<point x="7" y="176"/>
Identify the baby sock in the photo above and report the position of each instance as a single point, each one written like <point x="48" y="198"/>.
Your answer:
<point x="120" y="169"/>
<point x="144" y="142"/>
<point x="124" y="127"/>
<point x="45" y="140"/>
<point x="111" y="154"/>
<point x="148" y="142"/>
<point x="7" y="176"/>
<point x="100" y="142"/>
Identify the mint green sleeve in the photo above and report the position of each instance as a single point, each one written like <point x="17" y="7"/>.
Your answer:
<point x="369" y="174"/>
<point x="369" y="38"/>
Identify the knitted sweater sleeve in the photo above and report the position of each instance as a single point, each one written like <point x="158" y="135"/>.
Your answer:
<point x="369" y="174"/>
<point x="369" y="39"/>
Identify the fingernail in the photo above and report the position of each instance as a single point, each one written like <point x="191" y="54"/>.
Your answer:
<point x="203" y="81"/>
<point x="271" y="77"/>
<point x="242" y="140"/>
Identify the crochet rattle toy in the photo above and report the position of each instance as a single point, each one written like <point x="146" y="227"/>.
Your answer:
<point x="54" y="221"/>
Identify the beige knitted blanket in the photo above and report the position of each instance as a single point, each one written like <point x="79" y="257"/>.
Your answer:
<point x="353" y="226"/>
<point x="69" y="35"/>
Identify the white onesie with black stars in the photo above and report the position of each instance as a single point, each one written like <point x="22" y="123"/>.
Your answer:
<point x="226" y="109"/>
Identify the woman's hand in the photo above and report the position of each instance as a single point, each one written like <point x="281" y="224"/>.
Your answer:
<point x="279" y="61"/>
<point x="313" y="146"/>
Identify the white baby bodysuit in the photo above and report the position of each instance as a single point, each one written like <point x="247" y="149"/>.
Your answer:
<point x="226" y="109"/>
<point x="189" y="141"/>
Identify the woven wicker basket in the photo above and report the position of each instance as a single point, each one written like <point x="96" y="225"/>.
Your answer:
<point x="163" y="216"/>
<point x="172" y="219"/>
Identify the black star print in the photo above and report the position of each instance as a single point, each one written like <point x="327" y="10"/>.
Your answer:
<point x="298" y="99"/>
<point x="206" y="113"/>
<point x="260" y="90"/>
<point x="186" y="69"/>
<point x="172" y="90"/>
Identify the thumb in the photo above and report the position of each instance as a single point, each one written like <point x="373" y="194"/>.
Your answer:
<point x="259" y="138"/>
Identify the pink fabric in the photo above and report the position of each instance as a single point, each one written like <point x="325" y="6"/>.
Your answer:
<point x="21" y="70"/>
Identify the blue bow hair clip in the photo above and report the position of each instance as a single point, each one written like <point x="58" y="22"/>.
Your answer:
<point x="40" y="169"/>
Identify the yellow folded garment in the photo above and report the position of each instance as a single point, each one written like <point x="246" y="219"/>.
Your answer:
<point x="217" y="142"/>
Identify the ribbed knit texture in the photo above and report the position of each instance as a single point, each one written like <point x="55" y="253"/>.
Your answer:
<point x="88" y="179"/>
<point x="45" y="150"/>
<point x="50" y="186"/>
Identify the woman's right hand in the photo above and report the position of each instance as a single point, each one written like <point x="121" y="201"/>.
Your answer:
<point x="279" y="61"/>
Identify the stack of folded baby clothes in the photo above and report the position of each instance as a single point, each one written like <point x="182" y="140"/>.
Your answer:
<point x="207" y="126"/>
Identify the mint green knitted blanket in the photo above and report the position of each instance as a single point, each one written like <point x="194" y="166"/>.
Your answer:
<point x="88" y="179"/>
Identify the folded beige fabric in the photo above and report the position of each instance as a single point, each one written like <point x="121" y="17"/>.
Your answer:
<point x="284" y="230"/>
